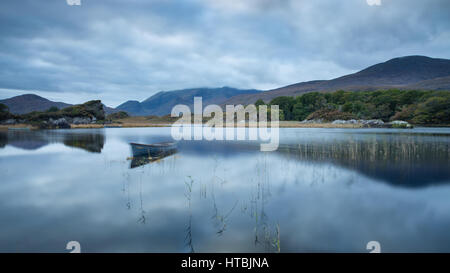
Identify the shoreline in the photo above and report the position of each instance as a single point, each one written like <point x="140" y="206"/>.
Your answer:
<point x="282" y="124"/>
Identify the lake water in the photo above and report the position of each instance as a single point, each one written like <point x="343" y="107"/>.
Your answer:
<point x="323" y="190"/>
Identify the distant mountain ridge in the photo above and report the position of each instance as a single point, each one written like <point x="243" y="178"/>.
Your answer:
<point x="27" y="103"/>
<point x="30" y="102"/>
<point x="162" y="102"/>
<point x="409" y="72"/>
<point x="406" y="73"/>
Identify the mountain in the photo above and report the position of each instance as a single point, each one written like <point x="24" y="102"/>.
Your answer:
<point x="410" y="72"/>
<point x="30" y="102"/>
<point x="110" y="110"/>
<point x="132" y="107"/>
<point x="162" y="102"/>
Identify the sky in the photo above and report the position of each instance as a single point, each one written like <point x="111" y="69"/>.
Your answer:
<point x="119" y="50"/>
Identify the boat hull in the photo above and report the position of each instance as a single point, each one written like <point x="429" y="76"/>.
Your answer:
<point x="152" y="150"/>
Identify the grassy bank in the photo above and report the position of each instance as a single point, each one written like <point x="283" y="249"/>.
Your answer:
<point x="152" y="121"/>
<point x="17" y="126"/>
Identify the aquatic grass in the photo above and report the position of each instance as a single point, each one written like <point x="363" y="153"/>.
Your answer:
<point x="264" y="234"/>
<point x="188" y="185"/>
<point x="203" y="191"/>
<point x="126" y="190"/>
<point x="188" y="237"/>
<point x="276" y="242"/>
<point x="142" y="219"/>
<point x="222" y="219"/>
<point x="188" y="194"/>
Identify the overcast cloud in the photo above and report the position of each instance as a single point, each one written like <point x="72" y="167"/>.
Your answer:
<point x="118" y="50"/>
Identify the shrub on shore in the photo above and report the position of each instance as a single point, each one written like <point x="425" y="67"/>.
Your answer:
<point x="4" y="112"/>
<point x="117" y="115"/>
<point x="327" y="114"/>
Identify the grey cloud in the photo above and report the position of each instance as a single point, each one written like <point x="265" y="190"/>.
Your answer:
<point x="118" y="50"/>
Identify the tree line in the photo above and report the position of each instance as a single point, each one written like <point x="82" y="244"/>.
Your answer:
<point x="414" y="106"/>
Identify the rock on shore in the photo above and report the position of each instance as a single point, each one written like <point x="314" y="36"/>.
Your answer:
<point x="370" y="123"/>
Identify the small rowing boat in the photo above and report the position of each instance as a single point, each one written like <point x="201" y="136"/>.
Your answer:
<point x="152" y="150"/>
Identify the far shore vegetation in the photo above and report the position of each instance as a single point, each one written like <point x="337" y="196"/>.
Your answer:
<point x="413" y="106"/>
<point x="418" y="107"/>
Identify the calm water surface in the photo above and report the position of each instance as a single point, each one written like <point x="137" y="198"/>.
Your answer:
<point x="323" y="190"/>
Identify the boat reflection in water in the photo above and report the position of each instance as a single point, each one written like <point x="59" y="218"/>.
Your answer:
<point x="147" y="153"/>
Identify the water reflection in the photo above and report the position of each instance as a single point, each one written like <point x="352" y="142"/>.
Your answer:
<point x="153" y="155"/>
<point x="406" y="161"/>
<point x="90" y="140"/>
<point x="320" y="191"/>
<point x="410" y="161"/>
<point x="188" y="195"/>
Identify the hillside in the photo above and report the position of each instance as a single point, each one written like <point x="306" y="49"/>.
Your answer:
<point x="405" y="73"/>
<point x="86" y="113"/>
<point x="163" y="102"/>
<point x="27" y="103"/>
<point x="442" y="83"/>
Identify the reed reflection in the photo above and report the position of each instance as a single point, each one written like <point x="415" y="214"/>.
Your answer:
<point x="411" y="161"/>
